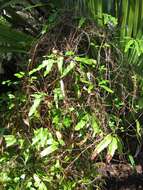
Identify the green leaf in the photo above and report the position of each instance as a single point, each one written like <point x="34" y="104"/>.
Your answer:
<point x="19" y="75"/>
<point x="46" y="63"/>
<point x="42" y="186"/>
<point x="69" y="53"/>
<point x="81" y="22"/>
<point x="120" y="145"/>
<point x="128" y="45"/>
<point x="107" y="89"/>
<point x="95" y="125"/>
<point x="12" y="40"/>
<point x="10" y="140"/>
<point x="58" y="95"/>
<point x="49" y="64"/>
<point x="36" y="103"/>
<point x="39" y="183"/>
<point x="111" y="149"/>
<point x="138" y="128"/>
<point x="108" y="19"/>
<point x="41" y="137"/>
<point x="41" y="66"/>
<point x="60" y="62"/>
<point x="82" y="122"/>
<point x="68" y="69"/>
<point x="49" y="150"/>
<point x="103" y="82"/>
<point x="101" y="146"/>
<point x="131" y="159"/>
<point x="137" y="48"/>
<point x="86" y="61"/>
<point x="37" y="180"/>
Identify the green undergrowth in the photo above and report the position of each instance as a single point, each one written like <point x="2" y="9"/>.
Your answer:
<point x="73" y="109"/>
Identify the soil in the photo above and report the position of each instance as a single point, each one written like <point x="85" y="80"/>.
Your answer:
<point x="122" y="176"/>
<point x="131" y="183"/>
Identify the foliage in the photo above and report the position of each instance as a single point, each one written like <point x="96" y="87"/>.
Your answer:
<point x="77" y="99"/>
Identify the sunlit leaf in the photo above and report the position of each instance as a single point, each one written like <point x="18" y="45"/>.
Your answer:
<point x="131" y="159"/>
<point x="46" y="63"/>
<point x="68" y="69"/>
<point x="69" y="53"/>
<point x="10" y="140"/>
<point x="39" y="183"/>
<point x="85" y="60"/>
<point x="120" y="145"/>
<point x="41" y="136"/>
<point x="49" y="150"/>
<point x="107" y="89"/>
<point x="95" y="125"/>
<point x="19" y="75"/>
<point x="111" y="149"/>
<point x="138" y="128"/>
<point x="82" y="123"/>
<point x="81" y="22"/>
<point x="60" y="62"/>
<point x="108" y="19"/>
<point x="101" y="146"/>
<point x="36" y="103"/>
<point x="49" y="66"/>
<point x="128" y="45"/>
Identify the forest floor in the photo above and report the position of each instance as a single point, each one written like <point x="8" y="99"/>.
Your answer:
<point x="122" y="176"/>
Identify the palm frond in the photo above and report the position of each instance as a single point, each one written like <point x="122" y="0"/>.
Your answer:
<point x="14" y="40"/>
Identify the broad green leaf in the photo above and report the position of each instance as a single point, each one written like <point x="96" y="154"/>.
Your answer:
<point x="10" y="140"/>
<point x="46" y="63"/>
<point x="95" y="125"/>
<point x="42" y="186"/>
<point x="111" y="149"/>
<point x="41" y="137"/>
<point x="49" y="150"/>
<point x="101" y="146"/>
<point x="84" y="120"/>
<point x="41" y="66"/>
<point x="37" y="180"/>
<point x="38" y="99"/>
<point x="68" y="69"/>
<point x="39" y="183"/>
<point x="107" y="89"/>
<point x="85" y="60"/>
<point x="49" y="66"/>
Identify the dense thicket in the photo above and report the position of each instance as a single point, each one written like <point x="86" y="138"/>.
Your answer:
<point x="71" y="93"/>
